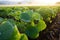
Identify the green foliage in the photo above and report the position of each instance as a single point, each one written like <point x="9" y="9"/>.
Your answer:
<point x="41" y="25"/>
<point x="8" y="31"/>
<point x="21" y="26"/>
<point x="37" y="16"/>
<point x="25" y="17"/>
<point x="24" y="37"/>
<point x="47" y="13"/>
<point x="32" y="32"/>
<point x="29" y="21"/>
<point x="1" y="19"/>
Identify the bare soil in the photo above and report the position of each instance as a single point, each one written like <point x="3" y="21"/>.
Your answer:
<point x="52" y="32"/>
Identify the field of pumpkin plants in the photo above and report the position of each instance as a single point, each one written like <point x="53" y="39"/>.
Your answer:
<point x="29" y="23"/>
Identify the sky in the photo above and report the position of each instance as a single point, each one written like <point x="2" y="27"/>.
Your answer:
<point x="35" y="1"/>
<point x="45" y="1"/>
<point x="28" y="0"/>
<point x="9" y="0"/>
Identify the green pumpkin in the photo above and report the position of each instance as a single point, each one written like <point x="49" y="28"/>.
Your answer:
<point x="8" y="31"/>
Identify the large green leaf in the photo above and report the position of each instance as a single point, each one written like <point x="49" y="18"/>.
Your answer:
<point x="29" y="12"/>
<point x="47" y="13"/>
<point x="8" y="31"/>
<point x="36" y="16"/>
<point x="25" y="17"/>
<point x="1" y="19"/>
<point x="32" y="32"/>
<point x="24" y="37"/>
<point x="41" y="25"/>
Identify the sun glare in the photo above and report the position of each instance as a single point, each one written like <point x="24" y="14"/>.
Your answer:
<point x="45" y="2"/>
<point x="34" y="2"/>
